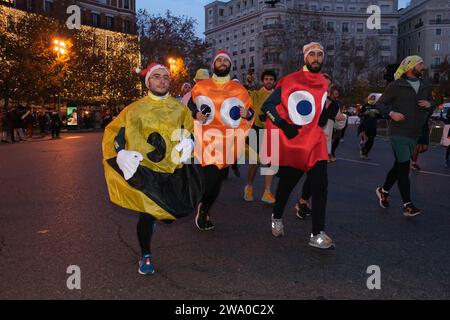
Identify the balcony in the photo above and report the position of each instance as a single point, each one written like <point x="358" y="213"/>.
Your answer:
<point x="251" y="65"/>
<point x="440" y="21"/>
<point x="252" y="49"/>
<point x="273" y="26"/>
<point x="385" y="31"/>
<point x="385" y="48"/>
<point x="243" y="51"/>
<point x="235" y="53"/>
<point x="243" y="67"/>
<point x="418" y="25"/>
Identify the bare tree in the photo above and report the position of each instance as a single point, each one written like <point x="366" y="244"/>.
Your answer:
<point x="172" y="36"/>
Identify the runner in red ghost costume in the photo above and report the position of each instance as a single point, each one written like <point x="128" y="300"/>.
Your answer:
<point x="295" y="107"/>
<point x="303" y="96"/>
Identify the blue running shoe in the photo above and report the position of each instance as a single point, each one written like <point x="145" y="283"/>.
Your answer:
<point x="146" y="265"/>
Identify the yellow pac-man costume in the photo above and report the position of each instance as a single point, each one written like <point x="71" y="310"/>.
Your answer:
<point x="222" y="103"/>
<point x="161" y="186"/>
<point x="258" y="98"/>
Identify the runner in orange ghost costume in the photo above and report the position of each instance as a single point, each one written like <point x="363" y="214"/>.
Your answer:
<point x="224" y="117"/>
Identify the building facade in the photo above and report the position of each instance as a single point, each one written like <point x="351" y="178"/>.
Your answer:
<point x="424" y="30"/>
<point x="270" y="34"/>
<point x="114" y="15"/>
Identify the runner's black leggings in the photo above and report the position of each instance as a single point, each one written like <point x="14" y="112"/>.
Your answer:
<point x="335" y="143"/>
<point x="447" y="154"/>
<point x="318" y="179"/>
<point x="400" y="174"/>
<point x="369" y="143"/>
<point x="306" y="190"/>
<point x="145" y="227"/>
<point x="213" y="184"/>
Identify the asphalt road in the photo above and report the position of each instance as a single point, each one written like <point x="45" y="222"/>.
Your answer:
<point x="55" y="212"/>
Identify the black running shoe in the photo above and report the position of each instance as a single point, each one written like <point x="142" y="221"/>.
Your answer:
<point x="383" y="197"/>
<point x="410" y="210"/>
<point x="302" y="210"/>
<point x="202" y="220"/>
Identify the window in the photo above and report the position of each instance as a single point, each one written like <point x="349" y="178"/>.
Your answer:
<point x="95" y="19"/>
<point x="437" y="46"/>
<point x="109" y="22"/>
<point x="48" y="6"/>
<point x="31" y="5"/>
<point x="437" y="61"/>
<point x="330" y="25"/>
<point x="344" y="26"/>
<point x="360" y="27"/>
<point x="385" y="8"/>
<point x="126" y="26"/>
<point x="126" y="4"/>
<point x="438" y="32"/>
<point x="221" y="12"/>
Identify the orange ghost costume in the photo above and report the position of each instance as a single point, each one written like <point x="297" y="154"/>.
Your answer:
<point x="225" y="131"/>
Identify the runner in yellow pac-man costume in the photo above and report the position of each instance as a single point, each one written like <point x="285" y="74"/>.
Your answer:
<point x="144" y="151"/>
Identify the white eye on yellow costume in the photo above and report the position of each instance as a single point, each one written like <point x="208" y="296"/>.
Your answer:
<point x="302" y="107"/>
<point x="230" y="112"/>
<point x="206" y="106"/>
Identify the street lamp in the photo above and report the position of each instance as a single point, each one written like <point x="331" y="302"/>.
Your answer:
<point x="172" y="63"/>
<point x="60" y="47"/>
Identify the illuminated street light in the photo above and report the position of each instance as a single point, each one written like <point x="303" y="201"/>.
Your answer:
<point x="60" y="47"/>
<point x="172" y="63"/>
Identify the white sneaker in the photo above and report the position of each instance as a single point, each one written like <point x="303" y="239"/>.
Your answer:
<point x="321" y="241"/>
<point x="277" y="227"/>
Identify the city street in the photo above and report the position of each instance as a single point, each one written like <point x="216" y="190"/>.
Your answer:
<point x="55" y="212"/>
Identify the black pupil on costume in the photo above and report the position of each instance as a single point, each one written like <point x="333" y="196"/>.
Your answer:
<point x="205" y="109"/>
<point x="157" y="141"/>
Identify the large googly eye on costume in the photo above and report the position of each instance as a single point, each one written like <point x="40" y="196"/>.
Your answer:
<point x="230" y="112"/>
<point x="324" y="101"/>
<point x="302" y="107"/>
<point x="206" y="106"/>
